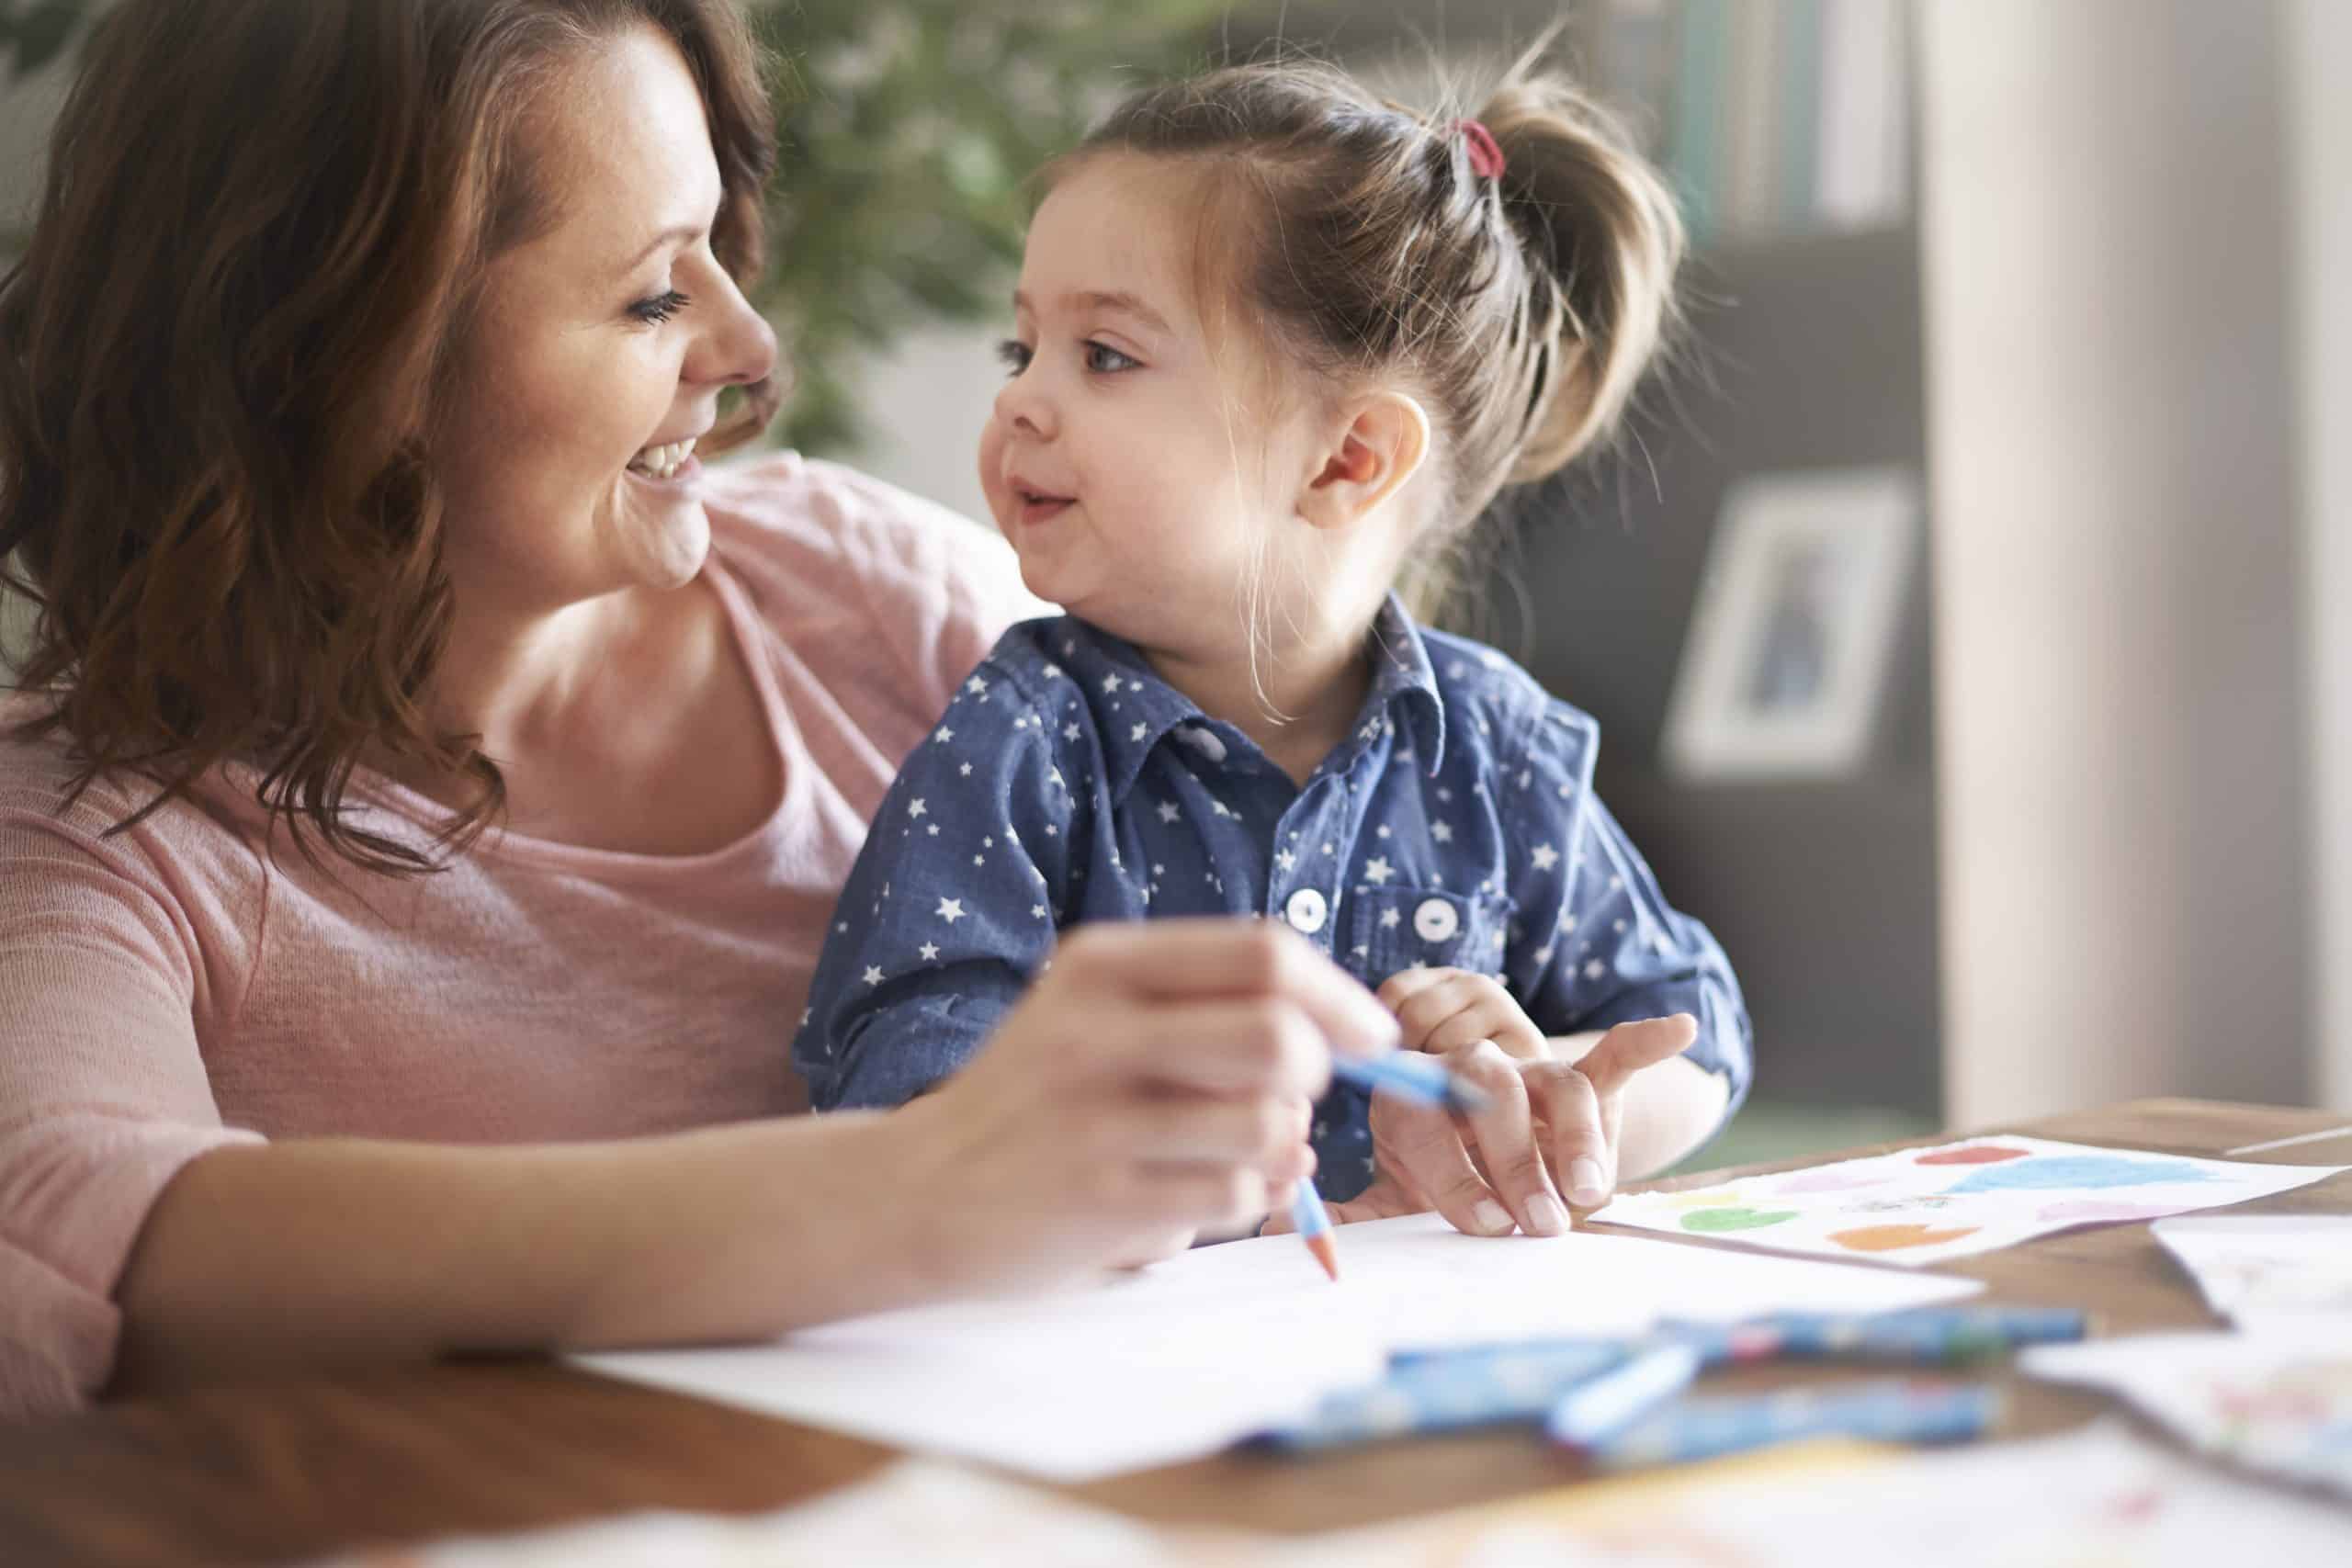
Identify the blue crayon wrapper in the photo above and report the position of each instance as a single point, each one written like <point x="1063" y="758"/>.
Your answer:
<point x="1892" y="1411"/>
<point x="1446" y="1394"/>
<point x="1928" y="1336"/>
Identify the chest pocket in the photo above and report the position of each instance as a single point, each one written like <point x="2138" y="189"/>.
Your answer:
<point x="1396" y="928"/>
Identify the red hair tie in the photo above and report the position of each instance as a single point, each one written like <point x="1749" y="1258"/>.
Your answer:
<point x="1485" y="154"/>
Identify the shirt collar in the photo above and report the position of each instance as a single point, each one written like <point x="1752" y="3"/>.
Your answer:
<point x="1133" y="709"/>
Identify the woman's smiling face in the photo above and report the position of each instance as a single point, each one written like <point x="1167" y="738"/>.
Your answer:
<point x="599" y="348"/>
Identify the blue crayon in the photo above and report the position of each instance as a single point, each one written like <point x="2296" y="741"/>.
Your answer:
<point x="1601" y="1406"/>
<point x="1925" y="1335"/>
<point x="1894" y="1410"/>
<point x="1448" y="1394"/>
<point x="1409" y="1075"/>
<point x="1306" y="1211"/>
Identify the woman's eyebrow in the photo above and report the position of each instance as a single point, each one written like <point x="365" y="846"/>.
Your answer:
<point x="675" y="232"/>
<point x="1100" y="300"/>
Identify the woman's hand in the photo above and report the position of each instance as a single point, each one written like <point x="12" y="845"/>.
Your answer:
<point x="1550" y="1127"/>
<point x="1151" y="1084"/>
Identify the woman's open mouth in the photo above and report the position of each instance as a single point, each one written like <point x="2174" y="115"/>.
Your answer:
<point x="673" y="464"/>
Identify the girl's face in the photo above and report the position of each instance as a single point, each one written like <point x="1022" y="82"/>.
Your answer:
<point x="1145" y="478"/>
<point x="607" y="337"/>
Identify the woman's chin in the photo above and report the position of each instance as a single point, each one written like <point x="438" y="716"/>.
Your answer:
<point x="666" y="549"/>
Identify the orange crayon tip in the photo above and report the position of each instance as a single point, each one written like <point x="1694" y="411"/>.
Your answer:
<point x="1325" y="1254"/>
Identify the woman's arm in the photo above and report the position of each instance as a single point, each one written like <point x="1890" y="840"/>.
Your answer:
<point x="307" y="1252"/>
<point x="1145" y="1088"/>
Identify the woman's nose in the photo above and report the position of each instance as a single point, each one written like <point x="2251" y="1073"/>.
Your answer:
<point x="739" y="349"/>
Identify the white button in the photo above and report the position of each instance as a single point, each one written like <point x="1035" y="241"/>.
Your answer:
<point x="1305" y="910"/>
<point x="1204" y="742"/>
<point x="1435" y="919"/>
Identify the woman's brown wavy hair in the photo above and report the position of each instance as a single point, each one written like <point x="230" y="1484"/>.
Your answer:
<point x="222" y="357"/>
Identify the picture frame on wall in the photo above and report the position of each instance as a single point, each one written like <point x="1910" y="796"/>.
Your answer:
<point x="1794" y="626"/>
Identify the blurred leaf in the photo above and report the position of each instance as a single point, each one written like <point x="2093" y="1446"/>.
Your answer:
<point x="32" y="35"/>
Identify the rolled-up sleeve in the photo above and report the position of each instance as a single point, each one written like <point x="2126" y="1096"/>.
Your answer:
<point x="103" y="1091"/>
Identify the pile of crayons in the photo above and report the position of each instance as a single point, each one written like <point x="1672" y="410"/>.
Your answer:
<point x="1623" y="1404"/>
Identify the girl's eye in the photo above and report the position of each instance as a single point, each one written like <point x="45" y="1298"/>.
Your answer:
<point x="1097" y="352"/>
<point x="1015" y="355"/>
<point x="661" y="308"/>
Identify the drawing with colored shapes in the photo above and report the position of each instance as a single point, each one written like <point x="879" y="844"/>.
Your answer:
<point x="2258" y="1270"/>
<point x="1923" y="1205"/>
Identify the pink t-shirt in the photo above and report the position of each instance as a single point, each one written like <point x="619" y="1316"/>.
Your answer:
<point x="174" y="989"/>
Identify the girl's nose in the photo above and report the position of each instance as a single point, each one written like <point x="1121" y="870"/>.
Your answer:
<point x="1023" y="406"/>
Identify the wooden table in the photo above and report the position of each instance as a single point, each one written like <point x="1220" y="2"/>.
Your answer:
<point x="273" y="1472"/>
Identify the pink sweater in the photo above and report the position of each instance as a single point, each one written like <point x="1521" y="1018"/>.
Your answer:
<point x="173" y="990"/>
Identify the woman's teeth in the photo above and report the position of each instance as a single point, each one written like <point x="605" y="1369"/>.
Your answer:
<point x="664" y="462"/>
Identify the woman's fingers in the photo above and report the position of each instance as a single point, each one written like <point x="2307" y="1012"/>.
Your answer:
<point x="1505" y="1134"/>
<point x="1186" y="960"/>
<point x="1425" y="1149"/>
<point x="1258" y="1046"/>
<point x="1255" y="1131"/>
<point x="1571" y="1110"/>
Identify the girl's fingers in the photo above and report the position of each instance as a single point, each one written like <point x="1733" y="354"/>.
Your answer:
<point x="1570" y="1109"/>
<point x="1629" y="1047"/>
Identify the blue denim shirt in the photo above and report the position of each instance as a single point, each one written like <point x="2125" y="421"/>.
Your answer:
<point x="1067" y="783"/>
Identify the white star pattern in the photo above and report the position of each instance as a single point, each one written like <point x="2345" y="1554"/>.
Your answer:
<point x="1285" y="859"/>
<point x="915" y="807"/>
<point x="1053" y="672"/>
<point x="976" y="685"/>
<point x="1168" y="812"/>
<point x="1037" y="911"/>
<point x="873" y="976"/>
<point x="1070" y="732"/>
<point x="1441" y="832"/>
<point x="943" y="735"/>
<point x="1138" y="731"/>
<point x="965" y="771"/>
<point x="1381" y="830"/>
<point x="1111" y="684"/>
<point x="933" y="828"/>
<point x="951" y="910"/>
<point x="929" y="951"/>
<point x="1389" y="918"/>
<point x="1545" y="857"/>
<point x="1595" y="970"/>
<point x="1378" y="871"/>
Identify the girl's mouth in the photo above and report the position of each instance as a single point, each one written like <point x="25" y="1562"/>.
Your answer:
<point x="1036" y="506"/>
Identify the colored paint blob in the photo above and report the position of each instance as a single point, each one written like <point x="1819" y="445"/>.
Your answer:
<point x="2045" y="1172"/>
<point x="2090" y="1211"/>
<point x="1894" y="1238"/>
<point x="1722" y="1221"/>
<point x="1830" y="1178"/>
<point x="1975" y="1154"/>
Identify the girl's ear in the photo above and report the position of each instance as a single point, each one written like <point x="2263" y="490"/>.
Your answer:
<point x="1380" y="447"/>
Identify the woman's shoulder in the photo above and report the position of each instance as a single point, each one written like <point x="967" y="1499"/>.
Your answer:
<point x="803" y="528"/>
<point x="199" y="847"/>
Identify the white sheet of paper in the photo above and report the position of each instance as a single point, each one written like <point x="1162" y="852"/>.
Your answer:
<point x="1189" y="1356"/>
<point x="1927" y="1205"/>
<point x="2259" y="1269"/>
<point x="2278" y="1400"/>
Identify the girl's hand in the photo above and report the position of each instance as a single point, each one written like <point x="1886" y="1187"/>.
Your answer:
<point x="1149" y="1085"/>
<point x="1550" y="1126"/>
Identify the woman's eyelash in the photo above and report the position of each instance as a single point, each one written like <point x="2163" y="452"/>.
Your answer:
<point x="1014" y="354"/>
<point x="661" y="308"/>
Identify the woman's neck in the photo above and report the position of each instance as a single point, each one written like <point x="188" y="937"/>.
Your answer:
<point x="1317" y="689"/>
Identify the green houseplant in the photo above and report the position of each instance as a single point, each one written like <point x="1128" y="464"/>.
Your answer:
<point x="907" y="129"/>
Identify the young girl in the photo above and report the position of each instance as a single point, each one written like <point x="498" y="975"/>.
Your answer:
<point x="1277" y="342"/>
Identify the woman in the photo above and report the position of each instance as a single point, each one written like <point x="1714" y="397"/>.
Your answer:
<point x="430" y="785"/>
